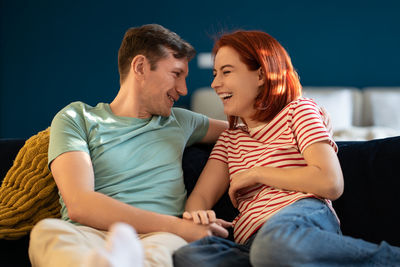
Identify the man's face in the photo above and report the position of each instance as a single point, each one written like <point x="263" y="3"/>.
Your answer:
<point x="163" y="86"/>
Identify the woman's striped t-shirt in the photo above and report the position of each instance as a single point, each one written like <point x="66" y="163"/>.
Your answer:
<point x="280" y="144"/>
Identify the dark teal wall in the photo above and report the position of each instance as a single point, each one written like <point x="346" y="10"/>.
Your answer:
<point x="56" y="52"/>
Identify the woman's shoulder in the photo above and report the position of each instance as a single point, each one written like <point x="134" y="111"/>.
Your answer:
<point x="301" y="104"/>
<point x="303" y="101"/>
<point x="239" y="130"/>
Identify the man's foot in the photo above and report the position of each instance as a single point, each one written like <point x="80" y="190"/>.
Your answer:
<point x="123" y="249"/>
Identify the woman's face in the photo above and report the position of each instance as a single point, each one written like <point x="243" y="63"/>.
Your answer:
<point x="235" y="84"/>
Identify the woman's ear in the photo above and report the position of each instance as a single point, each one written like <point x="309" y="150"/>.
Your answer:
<point x="261" y="76"/>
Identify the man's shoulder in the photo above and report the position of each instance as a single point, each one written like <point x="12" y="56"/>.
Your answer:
<point x="78" y="108"/>
<point x="77" y="105"/>
<point x="176" y="110"/>
<point x="182" y="113"/>
<point x="76" y="112"/>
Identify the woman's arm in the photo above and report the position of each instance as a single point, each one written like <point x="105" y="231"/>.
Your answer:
<point x="211" y="185"/>
<point x="322" y="176"/>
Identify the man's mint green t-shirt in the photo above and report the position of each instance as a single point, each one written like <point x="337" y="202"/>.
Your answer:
<point x="136" y="161"/>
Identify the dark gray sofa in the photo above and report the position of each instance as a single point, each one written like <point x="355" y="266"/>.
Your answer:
<point x="367" y="209"/>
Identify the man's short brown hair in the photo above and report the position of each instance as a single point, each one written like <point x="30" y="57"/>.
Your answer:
<point x="152" y="41"/>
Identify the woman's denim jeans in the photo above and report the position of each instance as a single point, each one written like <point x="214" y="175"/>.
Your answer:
<point x="306" y="233"/>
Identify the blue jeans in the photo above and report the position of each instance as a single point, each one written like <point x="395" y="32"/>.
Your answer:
<point x="306" y="233"/>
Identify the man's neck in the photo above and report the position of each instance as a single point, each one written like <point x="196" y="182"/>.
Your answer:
<point x="127" y="102"/>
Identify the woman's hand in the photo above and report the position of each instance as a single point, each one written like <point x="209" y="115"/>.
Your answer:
<point x="200" y="216"/>
<point x="191" y="231"/>
<point x="240" y="181"/>
<point x="205" y="217"/>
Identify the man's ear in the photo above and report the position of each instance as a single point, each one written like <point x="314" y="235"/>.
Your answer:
<point x="138" y="65"/>
<point x="261" y="76"/>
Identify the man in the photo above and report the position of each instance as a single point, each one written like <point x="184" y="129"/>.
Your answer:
<point x="121" y="162"/>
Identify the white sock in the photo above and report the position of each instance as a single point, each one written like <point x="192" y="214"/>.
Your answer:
<point x="123" y="249"/>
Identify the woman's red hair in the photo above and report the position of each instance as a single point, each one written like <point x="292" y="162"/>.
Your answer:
<point x="258" y="49"/>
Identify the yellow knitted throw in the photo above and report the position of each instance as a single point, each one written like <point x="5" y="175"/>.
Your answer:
<point x="28" y="192"/>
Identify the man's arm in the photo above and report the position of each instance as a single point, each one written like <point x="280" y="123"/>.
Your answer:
<point x="216" y="127"/>
<point x="74" y="176"/>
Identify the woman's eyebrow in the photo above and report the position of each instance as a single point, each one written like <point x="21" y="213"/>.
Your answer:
<point x="224" y="66"/>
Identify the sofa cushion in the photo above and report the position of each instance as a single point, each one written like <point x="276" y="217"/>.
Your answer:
<point x="381" y="107"/>
<point x="342" y="103"/>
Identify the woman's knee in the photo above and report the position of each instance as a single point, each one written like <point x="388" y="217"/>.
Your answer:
<point x="204" y="245"/>
<point x="190" y="254"/>
<point x="184" y="256"/>
<point x="275" y="247"/>
<point x="203" y="252"/>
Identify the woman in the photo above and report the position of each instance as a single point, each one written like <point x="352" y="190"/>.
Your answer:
<point x="280" y="166"/>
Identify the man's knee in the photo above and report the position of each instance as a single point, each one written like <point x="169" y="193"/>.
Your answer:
<point x="39" y="239"/>
<point x="166" y="240"/>
<point x="47" y="231"/>
<point x="41" y="227"/>
<point x="159" y="247"/>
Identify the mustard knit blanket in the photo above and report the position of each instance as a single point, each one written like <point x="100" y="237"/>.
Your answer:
<point x="28" y="192"/>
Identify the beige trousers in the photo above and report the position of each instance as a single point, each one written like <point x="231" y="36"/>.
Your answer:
<point x="54" y="242"/>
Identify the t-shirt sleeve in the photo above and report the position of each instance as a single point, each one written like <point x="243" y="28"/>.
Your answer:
<point x="220" y="150"/>
<point x="195" y="125"/>
<point x="67" y="133"/>
<point x="310" y="124"/>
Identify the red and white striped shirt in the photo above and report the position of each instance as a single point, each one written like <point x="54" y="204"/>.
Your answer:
<point x="280" y="144"/>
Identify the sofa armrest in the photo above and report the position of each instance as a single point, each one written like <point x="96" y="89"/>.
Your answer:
<point x="8" y="151"/>
<point x="12" y="252"/>
<point x="371" y="183"/>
